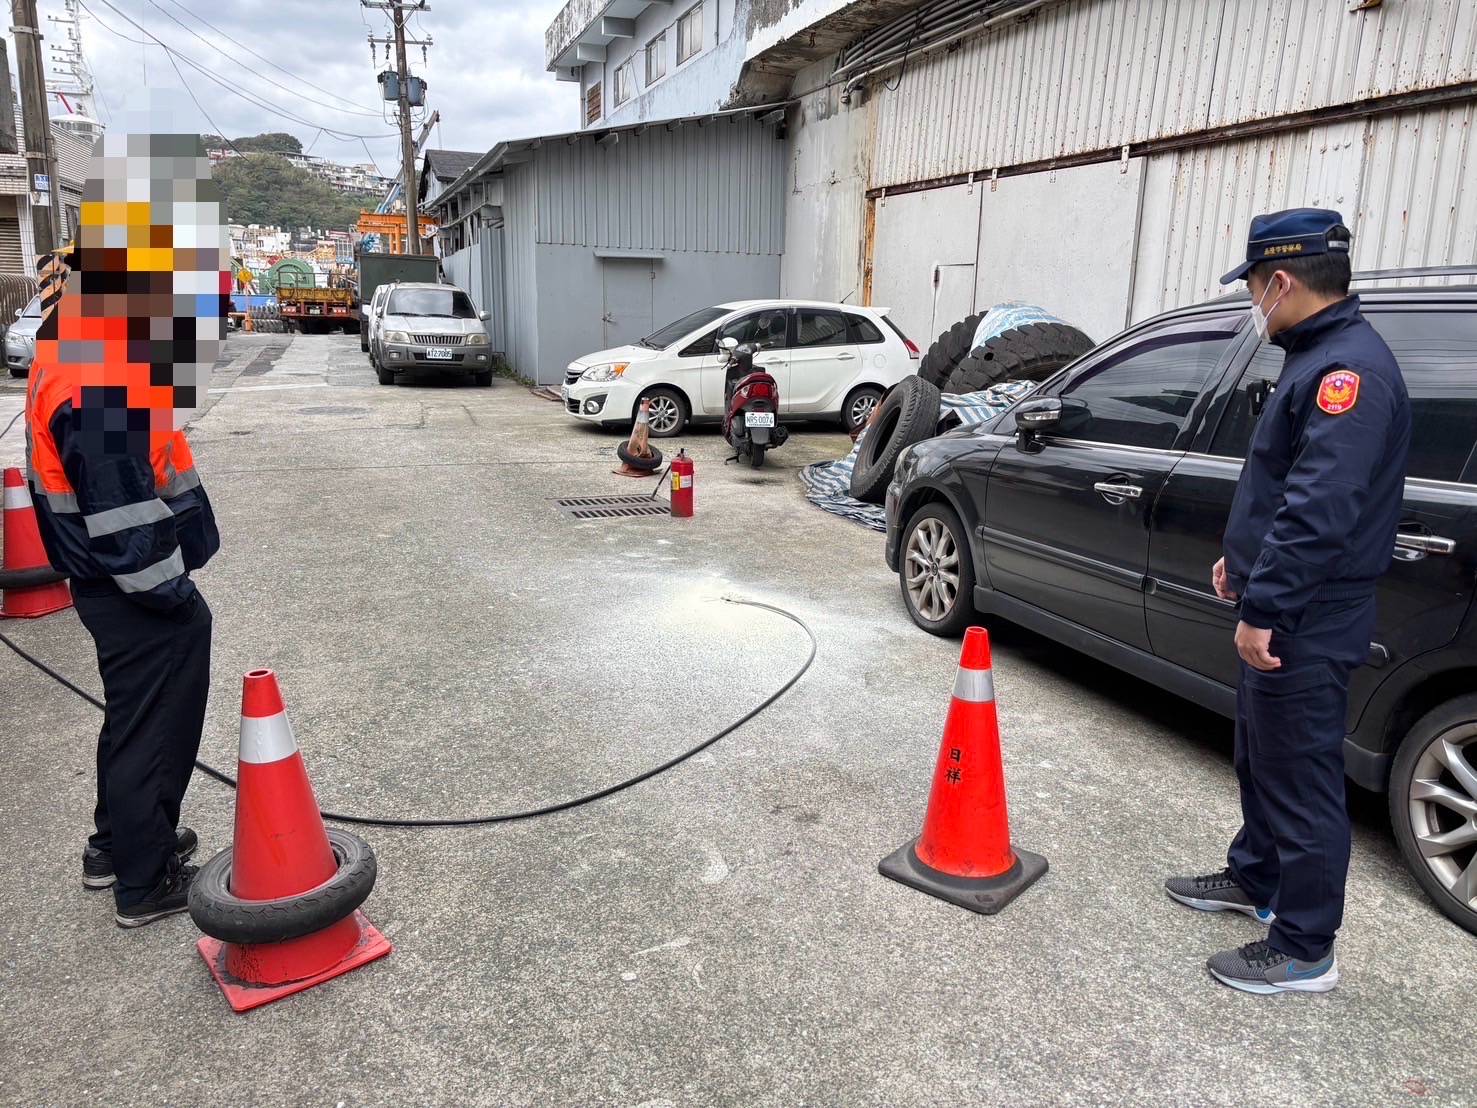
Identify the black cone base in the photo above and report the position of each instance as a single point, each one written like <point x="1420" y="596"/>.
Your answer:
<point x="986" y="895"/>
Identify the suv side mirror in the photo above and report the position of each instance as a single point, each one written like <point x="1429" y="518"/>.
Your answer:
<point x="1033" y="417"/>
<point x="730" y="343"/>
<point x="484" y="316"/>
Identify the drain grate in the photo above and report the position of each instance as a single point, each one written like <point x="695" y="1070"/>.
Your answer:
<point x="612" y="507"/>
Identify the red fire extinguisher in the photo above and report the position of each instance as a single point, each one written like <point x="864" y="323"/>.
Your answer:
<point x="682" y="469"/>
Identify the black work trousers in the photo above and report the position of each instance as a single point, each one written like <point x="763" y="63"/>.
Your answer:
<point x="1292" y="852"/>
<point x="155" y="668"/>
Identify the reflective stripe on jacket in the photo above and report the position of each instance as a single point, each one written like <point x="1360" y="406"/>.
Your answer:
<point x="140" y="522"/>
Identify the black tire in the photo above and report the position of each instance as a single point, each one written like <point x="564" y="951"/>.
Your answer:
<point x="671" y="401"/>
<point x="909" y="414"/>
<point x="363" y="334"/>
<point x="635" y="461"/>
<point x="17" y="371"/>
<point x="484" y="377"/>
<point x="1454" y="722"/>
<point x="948" y="620"/>
<point x="1030" y="353"/>
<point x="952" y="346"/>
<point x="756" y="451"/>
<point x="226" y="917"/>
<point x="855" y="413"/>
<point x="384" y="375"/>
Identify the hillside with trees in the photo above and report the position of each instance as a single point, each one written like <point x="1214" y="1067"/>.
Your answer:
<point x="266" y="188"/>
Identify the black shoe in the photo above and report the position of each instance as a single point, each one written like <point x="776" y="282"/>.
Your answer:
<point x="97" y="865"/>
<point x="169" y="897"/>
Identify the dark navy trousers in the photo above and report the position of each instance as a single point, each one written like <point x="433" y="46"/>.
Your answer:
<point x="1292" y="852"/>
<point x="155" y="668"/>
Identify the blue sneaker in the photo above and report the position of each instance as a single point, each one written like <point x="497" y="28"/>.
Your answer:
<point x="1216" y="892"/>
<point x="1261" y="968"/>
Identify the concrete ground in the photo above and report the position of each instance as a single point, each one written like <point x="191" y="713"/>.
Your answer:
<point x="449" y="644"/>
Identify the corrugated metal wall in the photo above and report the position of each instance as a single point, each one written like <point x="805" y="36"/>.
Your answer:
<point x="1093" y="74"/>
<point x="519" y="276"/>
<point x="1406" y="183"/>
<point x="716" y="188"/>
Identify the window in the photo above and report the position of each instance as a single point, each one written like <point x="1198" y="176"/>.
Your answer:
<point x="863" y="330"/>
<point x="625" y="80"/>
<point x="820" y="328"/>
<point x="593" y="110"/>
<point x="660" y="340"/>
<point x="656" y="59"/>
<point x="431" y="302"/>
<point x="690" y="33"/>
<point x="768" y="327"/>
<point x="1437" y="352"/>
<point x="1141" y="394"/>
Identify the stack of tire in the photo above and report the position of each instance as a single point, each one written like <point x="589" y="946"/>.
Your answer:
<point x="910" y="411"/>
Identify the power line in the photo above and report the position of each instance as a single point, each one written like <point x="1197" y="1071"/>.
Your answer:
<point x="357" y="108"/>
<point x="243" y="94"/>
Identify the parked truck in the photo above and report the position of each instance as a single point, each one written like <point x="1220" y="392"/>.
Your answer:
<point x="378" y="269"/>
<point x="314" y="303"/>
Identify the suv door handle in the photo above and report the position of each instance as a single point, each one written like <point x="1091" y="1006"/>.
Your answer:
<point x="771" y="361"/>
<point x="1426" y="544"/>
<point x="846" y="357"/>
<point x="1117" y="494"/>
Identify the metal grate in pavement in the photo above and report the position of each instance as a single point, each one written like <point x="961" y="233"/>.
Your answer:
<point x="611" y="507"/>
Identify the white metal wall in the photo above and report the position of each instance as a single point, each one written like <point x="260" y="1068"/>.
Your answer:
<point x="1094" y="74"/>
<point x="1405" y="183"/>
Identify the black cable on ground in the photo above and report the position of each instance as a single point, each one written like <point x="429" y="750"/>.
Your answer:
<point x="548" y="809"/>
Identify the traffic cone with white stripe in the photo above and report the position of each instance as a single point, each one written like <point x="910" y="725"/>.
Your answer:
<point x="284" y="867"/>
<point x="964" y="854"/>
<point x="24" y="558"/>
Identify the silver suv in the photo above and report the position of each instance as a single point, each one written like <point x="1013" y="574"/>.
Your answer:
<point x="429" y="328"/>
<point x="20" y="338"/>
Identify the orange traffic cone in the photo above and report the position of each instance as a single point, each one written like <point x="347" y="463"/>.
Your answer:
<point x="965" y="855"/>
<point x="280" y="908"/>
<point x="24" y="558"/>
<point x="638" y="457"/>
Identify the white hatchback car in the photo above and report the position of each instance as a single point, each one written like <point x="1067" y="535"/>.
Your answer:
<point x="831" y="361"/>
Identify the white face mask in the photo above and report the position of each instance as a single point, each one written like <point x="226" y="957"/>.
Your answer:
<point x="1259" y="319"/>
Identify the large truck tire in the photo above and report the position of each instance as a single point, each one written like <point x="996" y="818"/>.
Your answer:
<point x="908" y="414"/>
<point x="948" y="351"/>
<point x="1030" y="353"/>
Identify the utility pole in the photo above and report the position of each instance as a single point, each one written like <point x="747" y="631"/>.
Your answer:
<point x="397" y="10"/>
<point x="39" y="152"/>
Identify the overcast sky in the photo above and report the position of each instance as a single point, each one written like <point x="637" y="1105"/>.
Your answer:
<point x="485" y="72"/>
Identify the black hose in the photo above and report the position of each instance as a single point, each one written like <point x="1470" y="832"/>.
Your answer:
<point x="548" y="809"/>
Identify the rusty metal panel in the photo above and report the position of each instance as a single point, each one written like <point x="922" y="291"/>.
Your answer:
<point x="1418" y="204"/>
<point x="1085" y="75"/>
<point x="1199" y="202"/>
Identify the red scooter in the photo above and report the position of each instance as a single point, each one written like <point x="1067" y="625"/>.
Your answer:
<point x="751" y="404"/>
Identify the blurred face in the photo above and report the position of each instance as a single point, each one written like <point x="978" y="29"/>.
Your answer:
<point x="143" y="314"/>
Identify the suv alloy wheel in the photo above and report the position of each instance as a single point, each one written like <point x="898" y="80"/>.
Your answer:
<point x="937" y="571"/>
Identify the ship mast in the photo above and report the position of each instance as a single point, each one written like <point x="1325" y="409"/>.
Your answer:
<point x="72" y="83"/>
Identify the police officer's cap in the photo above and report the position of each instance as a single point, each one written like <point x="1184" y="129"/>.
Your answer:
<point x="1295" y="233"/>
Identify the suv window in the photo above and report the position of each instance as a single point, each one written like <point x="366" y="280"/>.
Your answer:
<point x="431" y="302"/>
<point x="814" y="327"/>
<point x="768" y="327"/>
<point x="863" y="329"/>
<point x="1437" y="352"/>
<point x="1141" y="393"/>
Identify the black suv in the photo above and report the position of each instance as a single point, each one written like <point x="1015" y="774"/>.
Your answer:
<point x="1094" y="518"/>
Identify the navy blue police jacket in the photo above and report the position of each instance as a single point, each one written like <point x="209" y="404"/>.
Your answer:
<point x="1319" y="499"/>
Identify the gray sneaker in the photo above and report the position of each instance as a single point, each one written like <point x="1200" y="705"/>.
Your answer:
<point x="1216" y="892"/>
<point x="1261" y="968"/>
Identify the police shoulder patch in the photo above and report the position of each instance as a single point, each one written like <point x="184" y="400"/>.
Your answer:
<point x="1338" y="391"/>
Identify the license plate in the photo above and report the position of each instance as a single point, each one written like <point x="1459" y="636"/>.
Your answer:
<point x="564" y="393"/>
<point x="438" y="354"/>
<point x="758" y="419"/>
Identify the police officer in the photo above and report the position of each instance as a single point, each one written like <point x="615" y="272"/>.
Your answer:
<point x="1311" y="529"/>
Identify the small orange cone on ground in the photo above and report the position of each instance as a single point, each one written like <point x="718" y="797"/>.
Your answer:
<point x="964" y="854"/>
<point x="24" y="552"/>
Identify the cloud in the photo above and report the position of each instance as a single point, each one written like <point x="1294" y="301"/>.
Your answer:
<point x="485" y="72"/>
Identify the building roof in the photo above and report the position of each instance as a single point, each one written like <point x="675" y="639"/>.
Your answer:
<point x="520" y="150"/>
<point x="450" y="164"/>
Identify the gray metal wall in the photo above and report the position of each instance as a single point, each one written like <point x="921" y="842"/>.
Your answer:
<point x="715" y="188"/>
<point x="519" y="292"/>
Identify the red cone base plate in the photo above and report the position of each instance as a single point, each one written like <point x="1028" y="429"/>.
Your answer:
<point x="242" y="995"/>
